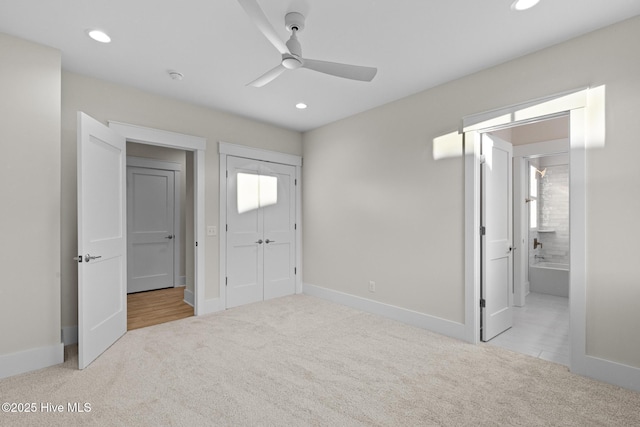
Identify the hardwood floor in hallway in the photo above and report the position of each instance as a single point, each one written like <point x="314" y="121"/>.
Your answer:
<point x="155" y="307"/>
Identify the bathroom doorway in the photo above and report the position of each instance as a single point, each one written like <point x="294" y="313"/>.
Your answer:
<point x="541" y="240"/>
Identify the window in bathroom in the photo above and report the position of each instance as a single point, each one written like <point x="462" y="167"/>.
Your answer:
<point x="533" y="197"/>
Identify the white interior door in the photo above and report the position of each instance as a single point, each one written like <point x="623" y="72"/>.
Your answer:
<point x="150" y="222"/>
<point x="244" y="233"/>
<point x="102" y="266"/>
<point x="260" y="231"/>
<point x="497" y="263"/>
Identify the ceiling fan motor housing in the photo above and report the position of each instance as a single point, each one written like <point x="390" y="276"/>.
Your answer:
<point x="294" y="20"/>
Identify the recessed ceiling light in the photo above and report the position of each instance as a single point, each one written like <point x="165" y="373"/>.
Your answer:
<point x="301" y="105"/>
<point x="99" y="36"/>
<point x="523" y="4"/>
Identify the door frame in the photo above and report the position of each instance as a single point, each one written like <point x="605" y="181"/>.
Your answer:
<point x="226" y="149"/>
<point x="197" y="145"/>
<point x="176" y="168"/>
<point x="586" y="115"/>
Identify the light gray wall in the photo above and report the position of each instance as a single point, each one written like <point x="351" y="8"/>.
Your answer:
<point x="30" y="191"/>
<point x="108" y="101"/>
<point x="377" y="206"/>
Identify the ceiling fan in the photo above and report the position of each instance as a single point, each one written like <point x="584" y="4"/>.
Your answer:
<point x="291" y="51"/>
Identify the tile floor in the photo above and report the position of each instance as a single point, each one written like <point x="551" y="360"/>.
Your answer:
<point x="540" y="329"/>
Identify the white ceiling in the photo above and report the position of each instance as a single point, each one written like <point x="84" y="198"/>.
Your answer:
<point x="416" y="44"/>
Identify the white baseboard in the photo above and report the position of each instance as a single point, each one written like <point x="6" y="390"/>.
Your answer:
<point x="69" y="335"/>
<point x="30" y="360"/>
<point x="421" y="320"/>
<point x="189" y="297"/>
<point x="612" y="372"/>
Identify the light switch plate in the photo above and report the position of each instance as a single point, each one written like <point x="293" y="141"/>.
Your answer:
<point x="212" y="230"/>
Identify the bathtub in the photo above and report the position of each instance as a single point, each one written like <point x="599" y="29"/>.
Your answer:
<point x="549" y="278"/>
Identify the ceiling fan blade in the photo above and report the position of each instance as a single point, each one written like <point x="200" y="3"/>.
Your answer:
<point x="258" y="17"/>
<point x="353" y="72"/>
<point x="268" y="76"/>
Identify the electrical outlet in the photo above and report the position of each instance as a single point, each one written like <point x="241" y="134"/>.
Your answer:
<point x="212" y="230"/>
<point x="372" y="286"/>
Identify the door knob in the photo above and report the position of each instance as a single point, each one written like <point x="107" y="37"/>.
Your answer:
<point x="260" y="242"/>
<point x="88" y="257"/>
<point x="170" y="236"/>
<point x="269" y="241"/>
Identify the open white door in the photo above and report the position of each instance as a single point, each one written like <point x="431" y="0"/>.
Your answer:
<point x="102" y="266"/>
<point x="497" y="266"/>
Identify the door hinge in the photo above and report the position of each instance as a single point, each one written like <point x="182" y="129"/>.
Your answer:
<point x="295" y="182"/>
<point x="483" y="303"/>
<point x="483" y="159"/>
<point x="226" y="228"/>
<point x="295" y="270"/>
<point x="483" y="230"/>
<point x="226" y="281"/>
<point x="295" y="226"/>
<point x="227" y="174"/>
<point x="196" y="243"/>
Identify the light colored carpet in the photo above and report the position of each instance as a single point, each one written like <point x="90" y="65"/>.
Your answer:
<point x="304" y="361"/>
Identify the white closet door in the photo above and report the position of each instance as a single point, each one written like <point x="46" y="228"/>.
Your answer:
<point x="279" y="233"/>
<point x="260" y="231"/>
<point x="244" y="233"/>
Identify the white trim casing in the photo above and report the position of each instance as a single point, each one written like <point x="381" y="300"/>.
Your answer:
<point x="472" y="236"/>
<point x="578" y="241"/>
<point x="198" y="145"/>
<point x="227" y="149"/>
<point x="163" y="138"/>
<point x="31" y="360"/>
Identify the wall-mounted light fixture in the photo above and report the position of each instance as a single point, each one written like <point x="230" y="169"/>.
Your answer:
<point x="541" y="172"/>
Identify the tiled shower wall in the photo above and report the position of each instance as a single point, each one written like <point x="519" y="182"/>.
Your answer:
<point x="553" y="215"/>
